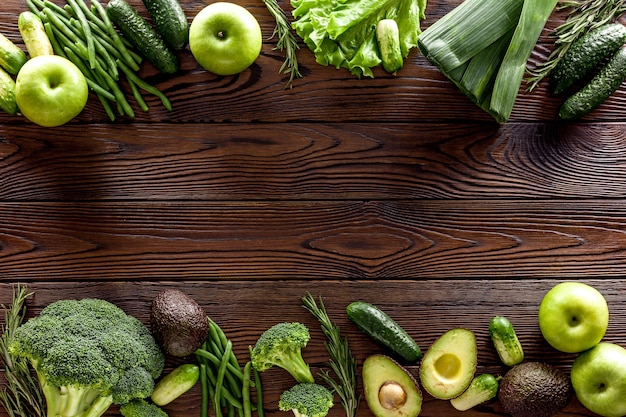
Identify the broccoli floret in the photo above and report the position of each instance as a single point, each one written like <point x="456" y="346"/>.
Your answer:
<point x="306" y="400"/>
<point x="141" y="408"/>
<point x="282" y="345"/>
<point x="88" y="354"/>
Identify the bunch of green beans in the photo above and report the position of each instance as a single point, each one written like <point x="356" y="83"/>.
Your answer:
<point x="88" y="38"/>
<point x="225" y="384"/>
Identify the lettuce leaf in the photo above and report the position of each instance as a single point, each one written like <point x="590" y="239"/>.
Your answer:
<point x="342" y="33"/>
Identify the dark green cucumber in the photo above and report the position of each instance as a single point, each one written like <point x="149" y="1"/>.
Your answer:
<point x="586" y="53"/>
<point x="482" y="388"/>
<point x="142" y="36"/>
<point x="380" y="327"/>
<point x="170" y="21"/>
<point x="505" y="341"/>
<point x="600" y="88"/>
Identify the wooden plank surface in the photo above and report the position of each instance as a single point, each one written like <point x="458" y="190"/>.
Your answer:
<point x="395" y="190"/>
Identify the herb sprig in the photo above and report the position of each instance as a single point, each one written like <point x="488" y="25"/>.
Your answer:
<point x="342" y="362"/>
<point x="583" y="16"/>
<point x="286" y="41"/>
<point x="21" y="396"/>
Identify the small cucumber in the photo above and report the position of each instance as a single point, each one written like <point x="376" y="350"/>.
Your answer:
<point x="11" y="56"/>
<point x="175" y="384"/>
<point x="170" y="21"/>
<point x="379" y="326"/>
<point x="505" y="341"/>
<point x="7" y="93"/>
<point x="600" y="88"/>
<point x="482" y="388"/>
<point x="585" y="53"/>
<point x="142" y="36"/>
<point x="388" y="37"/>
<point x="34" y="35"/>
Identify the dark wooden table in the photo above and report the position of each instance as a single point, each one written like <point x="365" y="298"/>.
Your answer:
<point x="394" y="190"/>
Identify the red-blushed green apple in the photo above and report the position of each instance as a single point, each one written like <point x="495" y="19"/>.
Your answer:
<point x="573" y="317"/>
<point x="50" y="90"/>
<point x="225" y="38"/>
<point x="599" y="379"/>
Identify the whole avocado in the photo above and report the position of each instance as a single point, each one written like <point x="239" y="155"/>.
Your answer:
<point x="178" y="322"/>
<point x="534" y="389"/>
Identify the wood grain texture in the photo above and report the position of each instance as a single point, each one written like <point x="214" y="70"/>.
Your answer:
<point x="394" y="190"/>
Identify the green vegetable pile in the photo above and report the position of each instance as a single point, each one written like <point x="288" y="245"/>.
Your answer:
<point x="343" y="34"/>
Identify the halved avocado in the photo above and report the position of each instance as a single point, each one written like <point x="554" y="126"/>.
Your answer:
<point x="449" y="365"/>
<point x="390" y="390"/>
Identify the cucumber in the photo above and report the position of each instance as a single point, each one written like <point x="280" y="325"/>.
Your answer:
<point x="170" y="21"/>
<point x="11" y="56"/>
<point x="379" y="326"/>
<point x="586" y="53"/>
<point x="175" y="384"/>
<point x="7" y="93"/>
<point x="482" y="388"/>
<point x="505" y="341"/>
<point x="388" y="37"/>
<point x="34" y="35"/>
<point x="597" y="90"/>
<point x="142" y="36"/>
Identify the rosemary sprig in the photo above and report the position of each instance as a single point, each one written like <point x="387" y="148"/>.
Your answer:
<point x="583" y="16"/>
<point x="342" y="362"/>
<point x="21" y="397"/>
<point x="286" y="41"/>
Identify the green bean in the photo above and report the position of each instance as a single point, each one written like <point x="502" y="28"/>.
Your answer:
<point x="89" y="76"/>
<point x="130" y="58"/>
<point x="144" y="85"/>
<point x="259" y="393"/>
<point x="220" y="375"/>
<point x="58" y="49"/>
<point x="245" y="391"/>
<point x="55" y="8"/>
<point x="204" y="404"/>
<point x="223" y="338"/>
<point x="216" y="360"/>
<point x="117" y="92"/>
<point x="138" y="97"/>
<point x="86" y="32"/>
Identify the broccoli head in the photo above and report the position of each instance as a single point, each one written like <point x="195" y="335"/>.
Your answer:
<point x="88" y="354"/>
<point x="306" y="400"/>
<point x="141" y="408"/>
<point x="282" y="345"/>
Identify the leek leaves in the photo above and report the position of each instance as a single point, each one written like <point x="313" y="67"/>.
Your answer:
<point x="483" y="47"/>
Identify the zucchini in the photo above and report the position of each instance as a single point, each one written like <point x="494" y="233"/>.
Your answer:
<point x="505" y="341"/>
<point x="34" y="35"/>
<point x="598" y="89"/>
<point x="7" y="93"/>
<point x="482" y="388"/>
<point x="170" y="21"/>
<point x="586" y="53"/>
<point x="380" y="327"/>
<point x="11" y="56"/>
<point x="388" y="37"/>
<point x="142" y="36"/>
<point x="175" y="384"/>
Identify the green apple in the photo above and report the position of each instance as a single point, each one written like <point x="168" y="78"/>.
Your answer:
<point x="50" y="90"/>
<point x="573" y="317"/>
<point x="599" y="379"/>
<point x="225" y="38"/>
